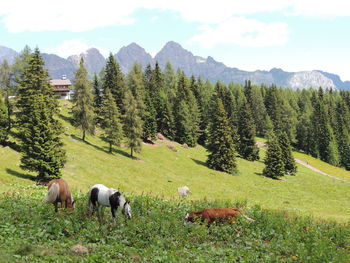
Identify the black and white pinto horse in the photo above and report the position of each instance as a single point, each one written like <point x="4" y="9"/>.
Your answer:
<point x="100" y="196"/>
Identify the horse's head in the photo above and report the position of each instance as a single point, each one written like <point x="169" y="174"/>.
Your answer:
<point x="188" y="219"/>
<point x="70" y="203"/>
<point x="127" y="209"/>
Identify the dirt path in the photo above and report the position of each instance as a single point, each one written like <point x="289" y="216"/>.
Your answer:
<point x="306" y="164"/>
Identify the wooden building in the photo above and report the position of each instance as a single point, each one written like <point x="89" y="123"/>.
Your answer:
<point x="62" y="88"/>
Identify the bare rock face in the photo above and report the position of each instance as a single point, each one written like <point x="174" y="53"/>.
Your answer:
<point x="79" y="249"/>
<point x="93" y="60"/>
<point x="7" y="54"/>
<point x="132" y="53"/>
<point x="310" y="79"/>
<point x="206" y="68"/>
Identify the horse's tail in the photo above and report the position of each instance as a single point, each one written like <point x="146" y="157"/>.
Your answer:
<point x="52" y="194"/>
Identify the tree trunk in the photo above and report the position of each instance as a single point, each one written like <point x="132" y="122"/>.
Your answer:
<point x="84" y="135"/>
<point x="110" y="147"/>
<point x="131" y="152"/>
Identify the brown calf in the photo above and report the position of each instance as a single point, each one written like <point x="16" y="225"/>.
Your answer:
<point x="211" y="215"/>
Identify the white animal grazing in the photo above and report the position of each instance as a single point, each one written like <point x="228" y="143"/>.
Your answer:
<point x="183" y="191"/>
<point x="100" y="195"/>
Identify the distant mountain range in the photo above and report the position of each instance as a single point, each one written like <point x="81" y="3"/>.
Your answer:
<point x="207" y="68"/>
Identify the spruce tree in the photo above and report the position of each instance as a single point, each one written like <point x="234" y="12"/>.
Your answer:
<point x="274" y="165"/>
<point x="186" y="114"/>
<point x="220" y="144"/>
<point x="257" y="107"/>
<point x="286" y="149"/>
<point x="326" y="145"/>
<point x="110" y="121"/>
<point x="149" y="119"/>
<point x="97" y="94"/>
<point x="247" y="147"/>
<point x="166" y="120"/>
<point x="343" y="133"/>
<point x="39" y="130"/>
<point x="114" y="80"/>
<point x="132" y="124"/>
<point x="83" y="102"/>
<point x="7" y="89"/>
<point x="3" y="121"/>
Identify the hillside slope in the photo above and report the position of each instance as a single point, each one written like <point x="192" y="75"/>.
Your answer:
<point x="160" y="171"/>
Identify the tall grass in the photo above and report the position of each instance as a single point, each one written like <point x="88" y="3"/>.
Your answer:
<point x="30" y="231"/>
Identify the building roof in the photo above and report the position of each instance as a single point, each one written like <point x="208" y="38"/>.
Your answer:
<point x="60" y="82"/>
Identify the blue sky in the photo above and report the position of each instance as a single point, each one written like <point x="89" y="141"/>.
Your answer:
<point x="294" y="35"/>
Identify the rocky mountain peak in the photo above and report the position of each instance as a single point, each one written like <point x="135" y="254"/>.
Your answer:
<point x="132" y="53"/>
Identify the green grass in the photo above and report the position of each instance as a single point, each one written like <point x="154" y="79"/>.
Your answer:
<point x="160" y="171"/>
<point x="30" y="231"/>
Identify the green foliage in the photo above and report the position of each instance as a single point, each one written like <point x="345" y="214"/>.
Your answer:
<point x="186" y="114"/>
<point x="3" y="121"/>
<point x="257" y="107"/>
<point x="166" y="119"/>
<point x="246" y="131"/>
<point x="132" y="124"/>
<point x="97" y="94"/>
<point x="39" y="131"/>
<point x="326" y="145"/>
<point x="114" y="80"/>
<point x="220" y="144"/>
<point x="274" y="165"/>
<point x="157" y="234"/>
<point x="83" y="108"/>
<point x="342" y="133"/>
<point x="290" y="166"/>
<point x="149" y="119"/>
<point x="110" y="121"/>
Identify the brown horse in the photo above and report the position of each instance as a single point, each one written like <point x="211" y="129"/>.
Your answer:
<point x="218" y="215"/>
<point x="58" y="191"/>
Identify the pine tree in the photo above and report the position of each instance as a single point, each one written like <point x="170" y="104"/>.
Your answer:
<point x="274" y="165"/>
<point x="286" y="149"/>
<point x="186" y="114"/>
<point x="219" y="144"/>
<point x="166" y="119"/>
<point x="110" y="121"/>
<point x="326" y="145"/>
<point x="149" y="119"/>
<point x="343" y="133"/>
<point x="83" y="102"/>
<point x="257" y="107"/>
<point x="97" y="94"/>
<point x="3" y="121"/>
<point x="132" y="124"/>
<point x="7" y="90"/>
<point x="39" y="130"/>
<point x="114" y="80"/>
<point x="229" y="102"/>
<point x="247" y="147"/>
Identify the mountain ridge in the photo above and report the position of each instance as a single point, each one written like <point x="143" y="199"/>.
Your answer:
<point x="173" y="52"/>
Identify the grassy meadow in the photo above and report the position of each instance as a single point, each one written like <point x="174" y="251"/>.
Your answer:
<point x="301" y="218"/>
<point x="32" y="232"/>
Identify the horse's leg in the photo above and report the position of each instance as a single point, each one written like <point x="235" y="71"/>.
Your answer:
<point x="99" y="212"/>
<point x="113" y="214"/>
<point x="56" y="206"/>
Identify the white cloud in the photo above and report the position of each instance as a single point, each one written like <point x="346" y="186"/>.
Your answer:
<point x="84" y="15"/>
<point x="244" y="32"/>
<point x="73" y="47"/>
